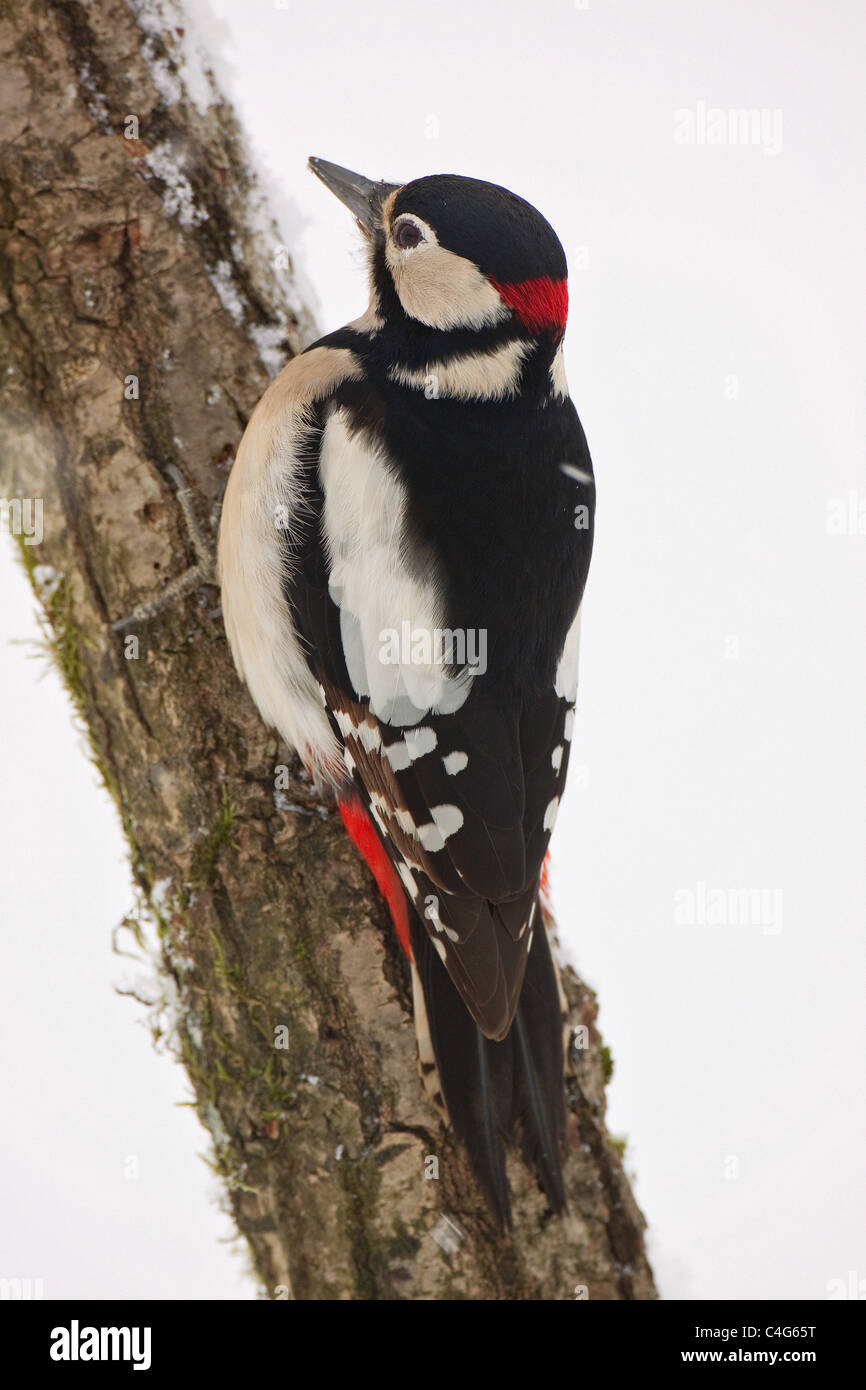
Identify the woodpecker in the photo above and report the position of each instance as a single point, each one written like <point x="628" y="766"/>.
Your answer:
<point x="403" y="549"/>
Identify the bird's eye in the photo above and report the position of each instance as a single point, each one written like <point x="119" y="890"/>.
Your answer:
<point x="407" y="235"/>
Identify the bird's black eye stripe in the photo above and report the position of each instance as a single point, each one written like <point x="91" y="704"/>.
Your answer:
<point x="407" y="234"/>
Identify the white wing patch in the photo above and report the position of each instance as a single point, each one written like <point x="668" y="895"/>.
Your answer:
<point x="565" y="683"/>
<point x="383" y="606"/>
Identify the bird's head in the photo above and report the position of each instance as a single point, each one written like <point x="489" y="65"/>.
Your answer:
<point x="455" y="253"/>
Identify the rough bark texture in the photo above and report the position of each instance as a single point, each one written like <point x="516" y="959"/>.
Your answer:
<point x="133" y="253"/>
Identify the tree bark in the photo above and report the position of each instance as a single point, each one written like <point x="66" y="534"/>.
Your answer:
<point x="145" y="301"/>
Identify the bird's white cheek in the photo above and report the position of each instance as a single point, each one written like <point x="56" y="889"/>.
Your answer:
<point x="442" y="289"/>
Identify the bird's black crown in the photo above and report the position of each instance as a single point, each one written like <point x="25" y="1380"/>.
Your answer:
<point x="506" y="237"/>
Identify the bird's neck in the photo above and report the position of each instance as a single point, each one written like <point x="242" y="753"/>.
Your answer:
<point x="496" y="363"/>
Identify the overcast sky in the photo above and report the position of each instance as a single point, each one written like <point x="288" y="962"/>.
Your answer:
<point x="717" y="358"/>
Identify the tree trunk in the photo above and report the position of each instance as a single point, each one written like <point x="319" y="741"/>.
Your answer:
<point x="145" y="301"/>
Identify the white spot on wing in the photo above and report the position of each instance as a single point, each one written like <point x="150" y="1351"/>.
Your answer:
<point x="455" y="762"/>
<point x="446" y="821"/>
<point x="550" y="813"/>
<point x="578" y="475"/>
<point x="556" y="758"/>
<point x="344" y="723"/>
<point x="369" y="736"/>
<point x="431" y="837"/>
<point x="448" y="818"/>
<point x="419" y="742"/>
<point x="398" y="755"/>
<point x="408" y="879"/>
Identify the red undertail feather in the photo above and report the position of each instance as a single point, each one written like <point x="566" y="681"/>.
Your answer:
<point x="362" y="833"/>
<point x="544" y="882"/>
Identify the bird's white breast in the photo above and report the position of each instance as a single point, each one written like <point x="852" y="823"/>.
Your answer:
<point x="381" y="591"/>
<point x="263" y="501"/>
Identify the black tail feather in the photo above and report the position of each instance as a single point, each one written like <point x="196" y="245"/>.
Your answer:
<point x="488" y="1158"/>
<point x="492" y="1088"/>
<point x="539" y="1083"/>
<point x="474" y="1075"/>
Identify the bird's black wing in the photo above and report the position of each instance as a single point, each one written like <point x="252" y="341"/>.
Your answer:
<point x="464" y="801"/>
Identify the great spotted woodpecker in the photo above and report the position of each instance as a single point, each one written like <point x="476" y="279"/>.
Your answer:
<point x="403" y="549"/>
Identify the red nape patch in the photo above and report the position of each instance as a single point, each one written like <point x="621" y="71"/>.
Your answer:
<point x="541" y="303"/>
<point x="361" y="832"/>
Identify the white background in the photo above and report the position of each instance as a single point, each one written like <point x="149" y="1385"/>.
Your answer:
<point x="716" y="355"/>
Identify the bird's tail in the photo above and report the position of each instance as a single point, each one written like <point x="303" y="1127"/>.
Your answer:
<point x="493" y="1091"/>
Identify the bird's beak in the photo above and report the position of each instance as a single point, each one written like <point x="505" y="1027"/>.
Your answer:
<point x="361" y="196"/>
